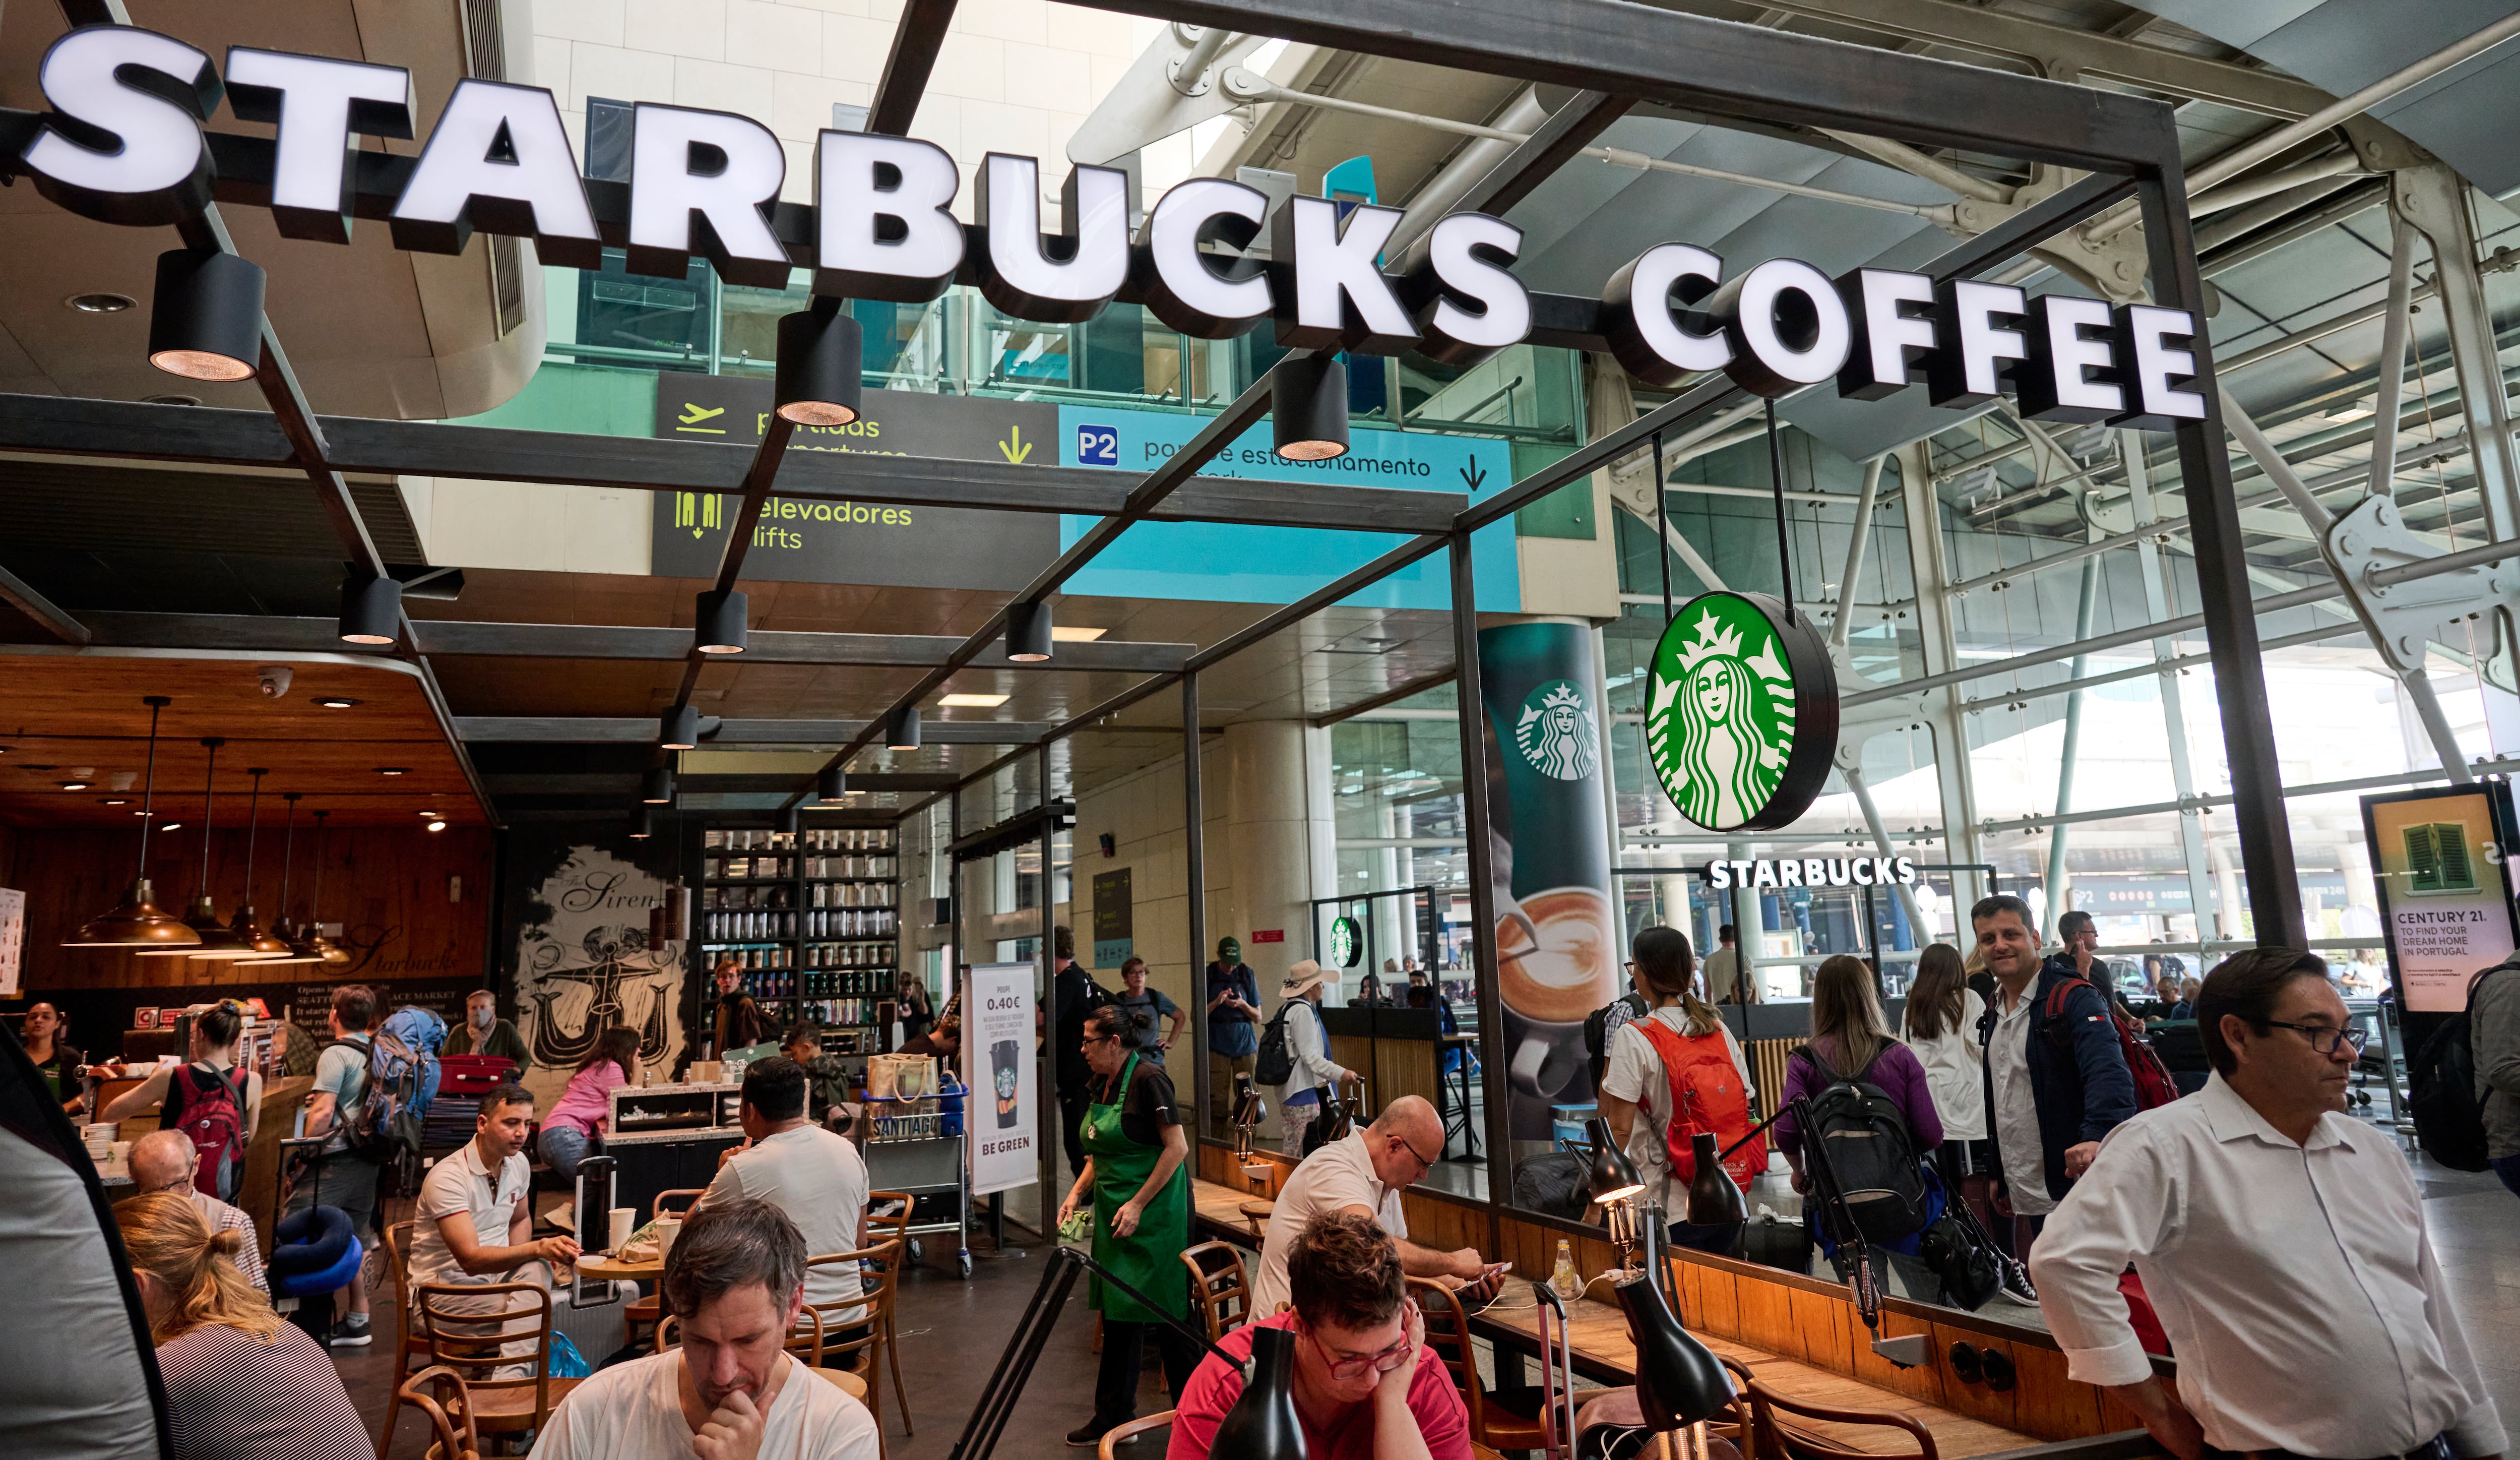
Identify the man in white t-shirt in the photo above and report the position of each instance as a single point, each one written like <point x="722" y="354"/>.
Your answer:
<point x="735" y="1280"/>
<point x="474" y="1227"/>
<point x="815" y="1178"/>
<point x="1364" y="1175"/>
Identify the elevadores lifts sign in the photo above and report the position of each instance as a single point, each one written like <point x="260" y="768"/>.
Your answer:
<point x="124" y="142"/>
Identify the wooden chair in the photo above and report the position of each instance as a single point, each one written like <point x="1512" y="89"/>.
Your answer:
<point x="409" y="1341"/>
<point x="1777" y="1441"/>
<point x="842" y="1380"/>
<point x="440" y="1393"/>
<point x="1117" y="1434"/>
<point x="893" y="1228"/>
<point x="470" y="1343"/>
<point x="640" y="1310"/>
<point x="1224" y="1289"/>
<point x="1497" y="1420"/>
<point x="862" y="1354"/>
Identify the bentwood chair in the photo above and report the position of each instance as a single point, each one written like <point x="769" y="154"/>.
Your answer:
<point x="849" y="1334"/>
<point x="840" y="1378"/>
<point x="893" y="1228"/>
<point x="1504" y="1420"/>
<point x="640" y="1310"/>
<point x="409" y="1341"/>
<point x="1774" y="1441"/>
<point x="439" y="1394"/>
<point x="1224" y="1287"/>
<point x="475" y="1344"/>
<point x="1120" y="1435"/>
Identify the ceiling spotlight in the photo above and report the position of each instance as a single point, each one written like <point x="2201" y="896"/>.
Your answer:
<point x="1080" y="634"/>
<point x="167" y="826"/>
<point x="1308" y="407"/>
<point x="679" y="728"/>
<point x="371" y="610"/>
<point x="75" y="785"/>
<point x="170" y="401"/>
<point x="393" y="770"/>
<point x="900" y="729"/>
<point x="335" y="702"/>
<point x="658" y="789"/>
<point x="437" y="826"/>
<point x="205" y="322"/>
<point x="833" y="782"/>
<point x="972" y="701"/>
<point x="642" y="824"/>
<point x="821" y="360"/>
<point x="718" y="626"/>
<point x="1028" y="632"/>
<point x="787" y="820"/>
<point x="100" y="303"/>
<point x="117" y="801"/>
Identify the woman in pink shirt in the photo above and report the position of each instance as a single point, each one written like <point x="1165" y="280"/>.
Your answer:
<point x="576" y="1125"/>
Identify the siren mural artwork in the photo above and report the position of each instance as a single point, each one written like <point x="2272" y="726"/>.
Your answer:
<point x="1743" y="714"/>
<point x="584" y="964"/>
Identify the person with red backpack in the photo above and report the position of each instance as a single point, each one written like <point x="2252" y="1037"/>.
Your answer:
<point x="212" y="1102"/>
<point x="1680" y="1066"/>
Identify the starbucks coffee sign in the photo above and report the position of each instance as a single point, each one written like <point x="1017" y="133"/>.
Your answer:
<point x="1811" y="872"/>
<point x="124" y="142"/>
<point x="1347" y="943"/>
<point x="1741" y="713"/>
<point x="1557" y="732"/>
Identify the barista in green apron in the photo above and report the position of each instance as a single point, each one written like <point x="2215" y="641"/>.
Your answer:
<point x="1137" y="1179"/>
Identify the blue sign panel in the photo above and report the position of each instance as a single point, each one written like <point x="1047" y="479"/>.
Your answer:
<point x="1235" y="564"/>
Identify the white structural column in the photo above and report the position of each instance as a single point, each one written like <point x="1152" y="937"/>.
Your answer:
<point x="2060" y="882"/>
<point x="1261" y="875"/>
<point x="2174" y="715"/>
<point x="1929" y="567"/>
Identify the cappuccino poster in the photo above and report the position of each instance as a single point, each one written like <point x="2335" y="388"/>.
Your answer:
<point x="1556" y="933"/>
<point x="583" y="963"/>
<point x="2445" y="901"/>
<point x="1001" y="1116"/>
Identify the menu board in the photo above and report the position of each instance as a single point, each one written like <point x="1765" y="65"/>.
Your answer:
<point x="2445" y="895"/>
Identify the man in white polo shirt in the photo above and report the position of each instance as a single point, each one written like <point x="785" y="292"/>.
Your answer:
<point x="473" y="1226"/>
<point x="1365" y="1175"/>
<point x="815" y="1178"/>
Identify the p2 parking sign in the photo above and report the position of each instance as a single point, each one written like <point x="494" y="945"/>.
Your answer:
<point x="1097" y="445"/>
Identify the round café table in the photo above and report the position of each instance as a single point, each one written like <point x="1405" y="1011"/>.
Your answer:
<point x="598" y="1265"/>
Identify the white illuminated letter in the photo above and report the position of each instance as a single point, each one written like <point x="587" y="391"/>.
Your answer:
<point x="1970" y="350"/>
<point x="2071" y="362"/>
<point x="1179" y="285"/>
<point x="1890" y="341"/>
<point x="1719" y="875"/>
<point x="1908" y="869"/>
<point x="1638" y="321"/>
<point x="318" y="104"/>
<point x="499" y="161"/>
<point x="1787" y="326"/>
<point x="1024" y="281"/>
<point x="704" y="182"/>
<point x="1464" y="259"/>
<point x="2148" y="361"/>
<point x="1340" y="300"/>
<point x="881" y="221"/>
<point x="123" y="141"/>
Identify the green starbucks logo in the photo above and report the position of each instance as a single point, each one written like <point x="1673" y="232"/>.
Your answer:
<point x="1742" y="716"/>
<point x="1347" y="943"/>
<point x="1556" y="732"/>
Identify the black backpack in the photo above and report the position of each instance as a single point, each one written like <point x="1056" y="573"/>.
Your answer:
<point x="1275" y="1062"/>
<point x="1598" y="1032"/>
<point x="1870" y="1154"/>
<point x="2449" y="1118"/>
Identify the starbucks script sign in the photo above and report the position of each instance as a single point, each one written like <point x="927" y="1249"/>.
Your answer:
<point x="1742" y="718"/>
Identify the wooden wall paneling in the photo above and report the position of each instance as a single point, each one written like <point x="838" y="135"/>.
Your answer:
<point x="1400" y="1068"/>
<point x="2046" y="1403"/>
<point x="1715" y="1299"/>
<point x="1766" y="1318"/>
<point x="1356" y="1052"/>
<point x="1973" y="1399"/>
<point x="1821" y="1328"/>
<point x="1923" y="1382"/>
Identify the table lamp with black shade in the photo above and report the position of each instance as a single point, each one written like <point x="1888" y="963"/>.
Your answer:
<point x="1680" y="1384"/>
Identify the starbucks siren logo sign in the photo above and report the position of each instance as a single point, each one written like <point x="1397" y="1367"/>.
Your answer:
<point x="1555" y="733"/>
<point x="1742" y="715"/>
<point x="1347" y="943"/>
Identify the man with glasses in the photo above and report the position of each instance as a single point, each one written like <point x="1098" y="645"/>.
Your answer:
<point x="1366" y="1385"/>
<point x="2283" y="1243"/>
<point x="166" y="1161"/>
<point x="1363" y="1176"/>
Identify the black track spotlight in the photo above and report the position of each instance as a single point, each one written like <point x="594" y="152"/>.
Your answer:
<point x="900" y="729"/>
<point x="1308" y="407"/>
<point x="1028" y="632"/>
<point x="205" y="323"/>
<point x="371" y="610"/>
<point x="657" y="788"/>
<point x="679" y="729"/>
<point x="718" y="626"/>
<point x="642" y="824"/>
<point x="831" y="784"/>
<point x="819" y="363"/>
<point x="787" y="819"/>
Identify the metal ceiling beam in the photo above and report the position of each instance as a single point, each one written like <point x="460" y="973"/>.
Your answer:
<point x="582" y="641"/>
<point x="916" y="39"/>
<point x="20" y="595"/>
<point x="719" y="733"/>
<point x="1570" y="129"/>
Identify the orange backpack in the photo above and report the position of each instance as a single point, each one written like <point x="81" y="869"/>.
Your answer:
<point x="1706" y="1095"/>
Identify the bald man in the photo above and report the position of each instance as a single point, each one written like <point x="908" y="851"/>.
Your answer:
<point x="1364" y="1175"/>
<point x="164" y="1161"/>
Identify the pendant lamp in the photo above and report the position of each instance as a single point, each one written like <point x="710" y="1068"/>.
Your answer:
<point x="1308" y="407"/>
<point x="819" y="379"/>
<point x="322" y="949"/>
<point x="670" y="920"/>
<point x="832" y="783"/>
<point x="217" y="939"/>
<point x="658" y="786"/>
<point x="281" y="928"/>
<point x="259" y="946"/>
<point x="1028" y="632"/>
<point x="900" y="729"/>
<point x="138" y="923"/>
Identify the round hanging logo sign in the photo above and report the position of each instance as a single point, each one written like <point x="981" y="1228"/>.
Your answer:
<point x="1742" y="715"/>
<point x="1556" y="733"/>
<point x="1347" y="943"/>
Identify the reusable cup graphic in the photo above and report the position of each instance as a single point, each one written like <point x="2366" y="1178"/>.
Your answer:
<point x="1002" y="1073"/>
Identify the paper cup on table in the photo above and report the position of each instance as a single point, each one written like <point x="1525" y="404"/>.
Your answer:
<point x="667" y="1229"/>
<point x="625" y="1221"/>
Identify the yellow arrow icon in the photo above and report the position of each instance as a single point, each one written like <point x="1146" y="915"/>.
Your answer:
<point x="1015" y="448"/>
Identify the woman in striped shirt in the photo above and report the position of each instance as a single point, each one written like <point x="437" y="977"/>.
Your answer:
<point x="242" y="1384"/>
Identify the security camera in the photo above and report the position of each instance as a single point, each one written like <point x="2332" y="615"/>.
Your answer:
<point x="274" y="679"/>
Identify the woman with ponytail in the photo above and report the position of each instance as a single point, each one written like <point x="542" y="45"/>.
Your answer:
<point x="1685" y="1043"/>
<point x="242" y="1384"/>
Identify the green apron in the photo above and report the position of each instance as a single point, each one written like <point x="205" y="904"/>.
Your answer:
<point x="1148" y="1260"/>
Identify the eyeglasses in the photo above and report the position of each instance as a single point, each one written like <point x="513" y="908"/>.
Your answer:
<point x="1424" y="1163"/>
<point x="2323" y="1038"/>
<point x="1354" y="1368"/>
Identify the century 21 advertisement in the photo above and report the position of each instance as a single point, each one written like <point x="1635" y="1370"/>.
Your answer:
<point x="2445" y="895"/>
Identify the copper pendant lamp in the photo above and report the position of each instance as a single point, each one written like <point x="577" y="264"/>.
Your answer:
<point x="217" y="940"/>
<point x="259" y="946"/>
<point x="282" y="931"/>
<point x="312" y="942"/>
<point x="138" y="922"/>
